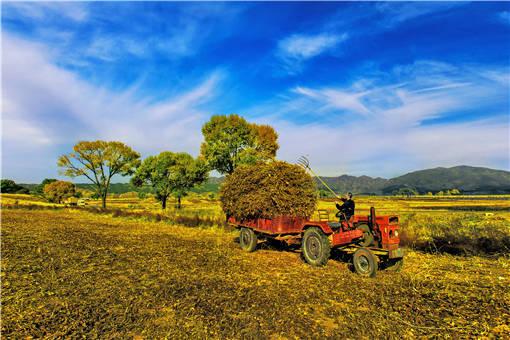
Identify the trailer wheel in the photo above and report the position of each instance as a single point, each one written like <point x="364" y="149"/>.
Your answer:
<point x="394" y="265"/>
<point x="365" y="263"/>
<point x="368" y="237"/>
<point x="315" y="247"/>
<point x="248" y="239"/>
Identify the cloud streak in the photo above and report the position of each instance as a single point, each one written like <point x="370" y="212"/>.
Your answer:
<point x="297" y="48"/>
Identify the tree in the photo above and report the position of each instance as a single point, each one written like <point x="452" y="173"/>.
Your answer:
<point x="231" y="141"/>
<point x="99" y="161"/>
<point x="58" y="191"/>
<point x="10" y="187"/>
<point x="171" y="173"/>
<point x="38" y="190"/>
<point x="408" y="192"/>
<point x="455" y="192"/>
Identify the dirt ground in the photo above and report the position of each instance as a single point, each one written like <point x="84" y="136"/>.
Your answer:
<point x="74" y="274"/>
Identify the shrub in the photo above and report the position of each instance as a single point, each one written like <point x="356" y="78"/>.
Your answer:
<point x="10" y="187"/>
<point x="268" y="189"/>
<point x="59" y="191"/>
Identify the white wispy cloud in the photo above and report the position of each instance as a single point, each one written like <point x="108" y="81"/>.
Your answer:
<point x="395" y="13"/>
<point x="335" y="99"/>
<point x="301" y="46"/>
<point x="295" y="49"/>
<point x="46" y="11"/>
<point x="47" y="109"/>
<point x="192" y="26"/>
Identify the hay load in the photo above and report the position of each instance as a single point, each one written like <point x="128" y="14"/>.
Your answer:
<point x="268" y="189"/>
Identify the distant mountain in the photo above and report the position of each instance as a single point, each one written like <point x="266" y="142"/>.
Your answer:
<point x="360" y="185"/>
<point x="464" y="178"/>
<point x="467" y="179"/>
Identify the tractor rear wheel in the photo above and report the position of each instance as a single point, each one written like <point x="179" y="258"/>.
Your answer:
<point x="368" y="237"/>
<point x="365" y="263"/>
<point x="394" y="265"/>
<point x="248" y="239"/>
<point x="315" y="247"/>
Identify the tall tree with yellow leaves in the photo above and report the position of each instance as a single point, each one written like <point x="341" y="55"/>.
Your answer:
<point x="99" y="161"/>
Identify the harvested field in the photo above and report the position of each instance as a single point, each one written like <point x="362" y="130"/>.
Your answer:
<point x="68" y="274"/>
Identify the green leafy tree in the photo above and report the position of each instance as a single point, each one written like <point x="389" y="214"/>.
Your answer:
<point x="99" y="161"/>
<point x="171" y="174"/>
<point x="455" y="192"/>
<point x="58" y="191"/>
<point x="10" y="187"/>
<point x="408" y="192"/>
<point x="38" y="190"/>
<point x="231" y="141"/>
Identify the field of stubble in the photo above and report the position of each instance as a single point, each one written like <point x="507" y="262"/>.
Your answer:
<point x="72" y="273"/>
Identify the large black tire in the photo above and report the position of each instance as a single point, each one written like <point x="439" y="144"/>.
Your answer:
<point x="248" y="239"/>
<point x="315" y="247"/>
<point x="365" y="263"/>
<point x="368" y="237"/>
<point x="394" y="265"/>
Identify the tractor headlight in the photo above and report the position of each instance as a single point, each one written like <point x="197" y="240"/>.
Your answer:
<point x="396" y="233"/>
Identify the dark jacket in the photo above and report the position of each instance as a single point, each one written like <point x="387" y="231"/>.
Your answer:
<point x="347" y="208"/>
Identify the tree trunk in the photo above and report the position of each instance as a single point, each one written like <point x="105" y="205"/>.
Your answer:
<point x="163" y="203"/>
<point x="178" y="202"/>
<point x="103" y="198"/>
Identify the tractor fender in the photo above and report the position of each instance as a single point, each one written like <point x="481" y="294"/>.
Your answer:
<point x="322" y="225"/>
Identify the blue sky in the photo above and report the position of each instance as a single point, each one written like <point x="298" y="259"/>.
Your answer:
<point x="376" y="88"/>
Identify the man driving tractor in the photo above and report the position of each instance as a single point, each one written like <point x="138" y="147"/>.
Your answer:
<point x="347" y="208"/>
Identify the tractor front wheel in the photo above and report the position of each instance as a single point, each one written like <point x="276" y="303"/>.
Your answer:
<point x="248" y="239"/>
<point x="365" y="263"/>
<point x="315" y="247"/>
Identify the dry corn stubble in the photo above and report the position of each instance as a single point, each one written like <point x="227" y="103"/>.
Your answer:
<point x="68" y="274"/>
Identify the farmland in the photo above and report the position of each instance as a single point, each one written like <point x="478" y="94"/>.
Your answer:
<point x="135" y="272"/>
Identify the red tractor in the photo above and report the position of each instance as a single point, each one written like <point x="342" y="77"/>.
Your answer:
<point x="372" y="241"/>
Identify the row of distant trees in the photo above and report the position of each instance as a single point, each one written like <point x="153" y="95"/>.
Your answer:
<point x="411" y="192"/>
<point x="229" y="141"/>
<point x="51" y="189"/>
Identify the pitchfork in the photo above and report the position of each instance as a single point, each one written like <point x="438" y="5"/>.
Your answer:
<point x="305" y="163"/>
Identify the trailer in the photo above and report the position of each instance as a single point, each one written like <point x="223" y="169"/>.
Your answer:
<point x="372" y="242"/>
